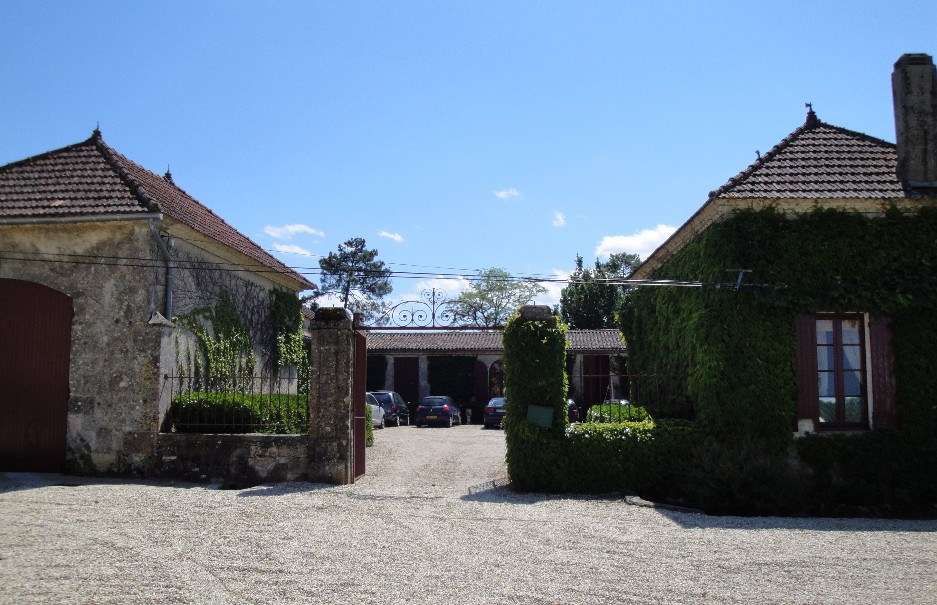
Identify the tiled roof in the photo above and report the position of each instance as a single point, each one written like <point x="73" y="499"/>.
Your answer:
<point x="92" y="179"/>
<point x="595" y="340"/>
<point x="816" y="165"/>
<point x="605" y="341"/>
<point x="820" y="161"/>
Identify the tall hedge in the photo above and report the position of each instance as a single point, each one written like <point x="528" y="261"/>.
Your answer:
<point x="534" y="375"/>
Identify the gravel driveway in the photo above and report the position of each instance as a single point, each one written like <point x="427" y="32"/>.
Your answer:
<point x="432" y="522"/>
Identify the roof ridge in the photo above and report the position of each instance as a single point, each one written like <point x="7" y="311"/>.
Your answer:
<point x="812" y="123"/>
<point x="46" y="154"/>
<point x="113" y="159"/>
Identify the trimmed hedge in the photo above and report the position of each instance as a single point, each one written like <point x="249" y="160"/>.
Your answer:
<point x="880" y="473"/>
<point x="617" y="413"/>
<point x="238" y="413"/>
<point x="534" y="375"/>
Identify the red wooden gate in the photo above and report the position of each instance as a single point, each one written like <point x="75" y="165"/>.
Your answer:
<point x="35" y="346"/>
<point x="359" y="388"/>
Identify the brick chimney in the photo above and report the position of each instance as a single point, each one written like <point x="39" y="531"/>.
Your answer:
<point x="914" y="90"/>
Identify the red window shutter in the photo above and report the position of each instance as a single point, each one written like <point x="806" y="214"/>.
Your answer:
<point x="805" y="362"/>
<point x="882" y="354"/>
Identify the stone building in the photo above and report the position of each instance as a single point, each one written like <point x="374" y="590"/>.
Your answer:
<point x="403" y="362"/>
<point x="98" y="256"/>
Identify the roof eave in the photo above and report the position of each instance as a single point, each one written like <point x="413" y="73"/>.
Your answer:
<point x="80" y="218"/>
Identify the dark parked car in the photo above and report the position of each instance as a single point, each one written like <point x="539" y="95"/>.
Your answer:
<point x="494" y="412"/>
<point x="438" y="409"/>
<point x="395" y="408"/>
<point x="572" y="410"/>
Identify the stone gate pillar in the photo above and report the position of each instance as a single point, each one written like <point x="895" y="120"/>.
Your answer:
<point x="331" y="410"/>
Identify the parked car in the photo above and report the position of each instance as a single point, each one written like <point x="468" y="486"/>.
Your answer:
<point x="395" y="408"/>
<point x="572" y="411"/>
<point x="377" y="412"/>
<point x="494" y="412"/>
<point x="438" y="409"/>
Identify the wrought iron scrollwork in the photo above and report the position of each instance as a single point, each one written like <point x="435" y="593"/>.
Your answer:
<point x="431" y="312"/>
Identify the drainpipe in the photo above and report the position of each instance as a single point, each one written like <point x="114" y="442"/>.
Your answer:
<point x="165" y="252"/>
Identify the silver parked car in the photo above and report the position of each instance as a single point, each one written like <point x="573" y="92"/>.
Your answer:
<point x="377" y="412"/>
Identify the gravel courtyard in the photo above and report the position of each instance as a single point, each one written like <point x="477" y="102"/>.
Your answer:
<point x="432" y="522"/>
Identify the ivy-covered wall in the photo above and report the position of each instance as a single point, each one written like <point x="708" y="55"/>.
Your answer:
<point x="738" y="348"/>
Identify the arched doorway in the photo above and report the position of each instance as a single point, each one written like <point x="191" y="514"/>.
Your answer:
<point x="35" y="332"/>
<point x="496" y="379"/>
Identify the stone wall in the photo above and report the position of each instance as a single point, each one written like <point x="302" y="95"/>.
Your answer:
<point x="114" y="367"/>
<point x="232" y="460"/>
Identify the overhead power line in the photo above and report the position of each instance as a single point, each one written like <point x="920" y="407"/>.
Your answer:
<point x="312" y="272"/>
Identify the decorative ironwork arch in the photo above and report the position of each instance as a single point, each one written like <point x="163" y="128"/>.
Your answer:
<point x="433" y="311"/>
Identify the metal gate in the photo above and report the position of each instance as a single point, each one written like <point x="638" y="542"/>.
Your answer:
<point x="35" y="347"/>
<point x="358" y="390"/>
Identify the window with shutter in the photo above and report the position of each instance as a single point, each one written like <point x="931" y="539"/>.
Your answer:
<point x="834" y="377"/>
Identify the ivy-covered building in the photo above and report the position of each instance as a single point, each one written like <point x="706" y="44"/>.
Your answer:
<point x="817" y="307"/>
<point x="112" y="279"/>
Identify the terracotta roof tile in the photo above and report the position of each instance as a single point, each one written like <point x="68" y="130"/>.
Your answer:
<point x="599" y="341"/>
<point x="595" y="340"/>
<point x="92" y="179"/>
<point x="820" y="161"/>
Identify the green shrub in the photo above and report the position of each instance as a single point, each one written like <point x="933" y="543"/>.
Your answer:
<point x="658" y="470"/>
<point x="238" y="413"/>
<point x="368" y="426"/>
<point x="617" y="413"/>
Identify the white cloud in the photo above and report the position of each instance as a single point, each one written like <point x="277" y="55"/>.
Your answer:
<point x="291" y="249"/>
<point x="642" y="243"/>
<point x="331" y="299"/>
<point x="394" y="236"/>
<point x="506" y="194"/>
<point x="559" y="219"/>
<point x="554" y="288"/>
<point x="288" y="231"/>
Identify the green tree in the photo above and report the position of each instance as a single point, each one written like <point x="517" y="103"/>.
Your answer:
<point x="492" y="297"/>
<point x="356" y="278"/>
<point x="590" y="300"/>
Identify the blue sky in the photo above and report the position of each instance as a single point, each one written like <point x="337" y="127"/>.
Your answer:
<point x="451" y="136"/>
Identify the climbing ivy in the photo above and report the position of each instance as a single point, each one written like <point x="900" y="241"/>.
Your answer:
<point x="737" y="346"/>
<point x="286" y="318"/>
<point x="225" y="357"/>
